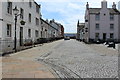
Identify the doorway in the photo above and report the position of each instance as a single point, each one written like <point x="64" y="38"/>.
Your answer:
<point x="104" y="36"/>
<point x="21" y="36"/>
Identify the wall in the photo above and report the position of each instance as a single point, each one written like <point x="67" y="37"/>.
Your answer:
<point x="8" y="42"/>
<point x="104" y="25"/>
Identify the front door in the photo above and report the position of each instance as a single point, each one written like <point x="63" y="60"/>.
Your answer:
<point x="104" y="36"/>
<point x="21" y="36"/>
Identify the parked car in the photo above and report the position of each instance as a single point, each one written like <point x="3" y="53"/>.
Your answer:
<point x="111" y="44"/>
<point x="67" y="38"/>
<point x="98" y="42"/>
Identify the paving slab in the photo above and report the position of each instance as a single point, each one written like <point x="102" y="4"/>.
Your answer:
<point x="23" y="64"/>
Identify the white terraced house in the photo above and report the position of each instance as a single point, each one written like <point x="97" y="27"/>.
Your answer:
<point x="30" y="13"/>
<point x="102" y="23"/>
<point x="47" y="31"/>
<point x="119" y="5"/>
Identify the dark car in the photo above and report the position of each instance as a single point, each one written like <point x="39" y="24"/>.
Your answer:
<point x="67" y="38"/>
<point x="111" y="44"/>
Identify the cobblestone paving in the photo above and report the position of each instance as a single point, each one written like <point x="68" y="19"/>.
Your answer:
<point x="82" y="60"/>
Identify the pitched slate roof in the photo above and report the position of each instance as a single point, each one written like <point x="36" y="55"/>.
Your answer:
<point x="97" y="10"/>
<point x="114" y="11"/>
<point x="94" y="10"/>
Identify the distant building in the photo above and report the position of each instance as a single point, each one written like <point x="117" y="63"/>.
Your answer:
<point x="45" y="27"/>
<point x="80" y="31"/>
<point x="60" y="29"/>
<point x="48" y="30"/>
<point x="102" y="23"/>
<point x="71" y="35"/>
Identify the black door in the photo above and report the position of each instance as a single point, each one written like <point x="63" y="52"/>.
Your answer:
<point x="21" y="36"/>
<point x="104" y="36"/>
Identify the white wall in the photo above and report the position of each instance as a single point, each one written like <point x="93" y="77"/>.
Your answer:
<point x="0" y="20"/>
<point x="104" y="25"/>
<point x="9" y="19"/>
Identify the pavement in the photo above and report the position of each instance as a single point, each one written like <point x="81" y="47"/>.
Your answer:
<point x="23" y="64"/>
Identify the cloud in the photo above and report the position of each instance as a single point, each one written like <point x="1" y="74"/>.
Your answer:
<point x="74" y="6"/>
<point x="75" y="1"/>
<point x="68" y="11"/>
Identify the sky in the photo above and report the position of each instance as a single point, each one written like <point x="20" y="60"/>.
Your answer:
<point x="68" y="12"/>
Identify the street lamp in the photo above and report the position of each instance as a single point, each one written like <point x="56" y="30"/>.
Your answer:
<point x="15" y="11"/>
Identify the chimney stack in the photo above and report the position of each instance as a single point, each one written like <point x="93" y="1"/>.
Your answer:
<point x="87" y="6"/>
<point x="114" y="5"/>
<point x="104" y="4"/>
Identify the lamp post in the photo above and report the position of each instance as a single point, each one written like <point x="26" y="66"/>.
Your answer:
<point x="15" y="11"/>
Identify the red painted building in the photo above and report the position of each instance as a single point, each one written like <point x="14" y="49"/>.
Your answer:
<point x="62" y="31"/>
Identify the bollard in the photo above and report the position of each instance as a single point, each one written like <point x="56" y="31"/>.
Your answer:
<point x="114" y="45"/>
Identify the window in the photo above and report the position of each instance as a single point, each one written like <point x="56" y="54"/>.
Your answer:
<point x="9" y="8"/>
<point x="42" y="28"/>
<point x="97" y="17"/>
<point x="22" y="13"/>
<point x="97" y="26"/>
<point x="37" y="21"/>
<point x="37" y="8"/>
<point x="111" y="17"/>
<point x="30" y="3"/>
<point x="111" y="35"/>
<point x="29" y="33"/>
<point x="36" y="33"/>
<point x="9" y="29"/>
<point x="111" y="26"/>
<point x="96" y="35"/>
<point x="29" y="17"/>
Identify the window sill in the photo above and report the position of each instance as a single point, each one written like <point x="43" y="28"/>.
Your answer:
<point x="37" y="25"/>
<point x="111" y="20"/>
<point x="8" y="38"/>
<point x="97" y="29"/>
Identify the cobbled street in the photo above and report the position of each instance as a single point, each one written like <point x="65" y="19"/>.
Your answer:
<point x="62" y="59"/>
<point x="73" y="59"/>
